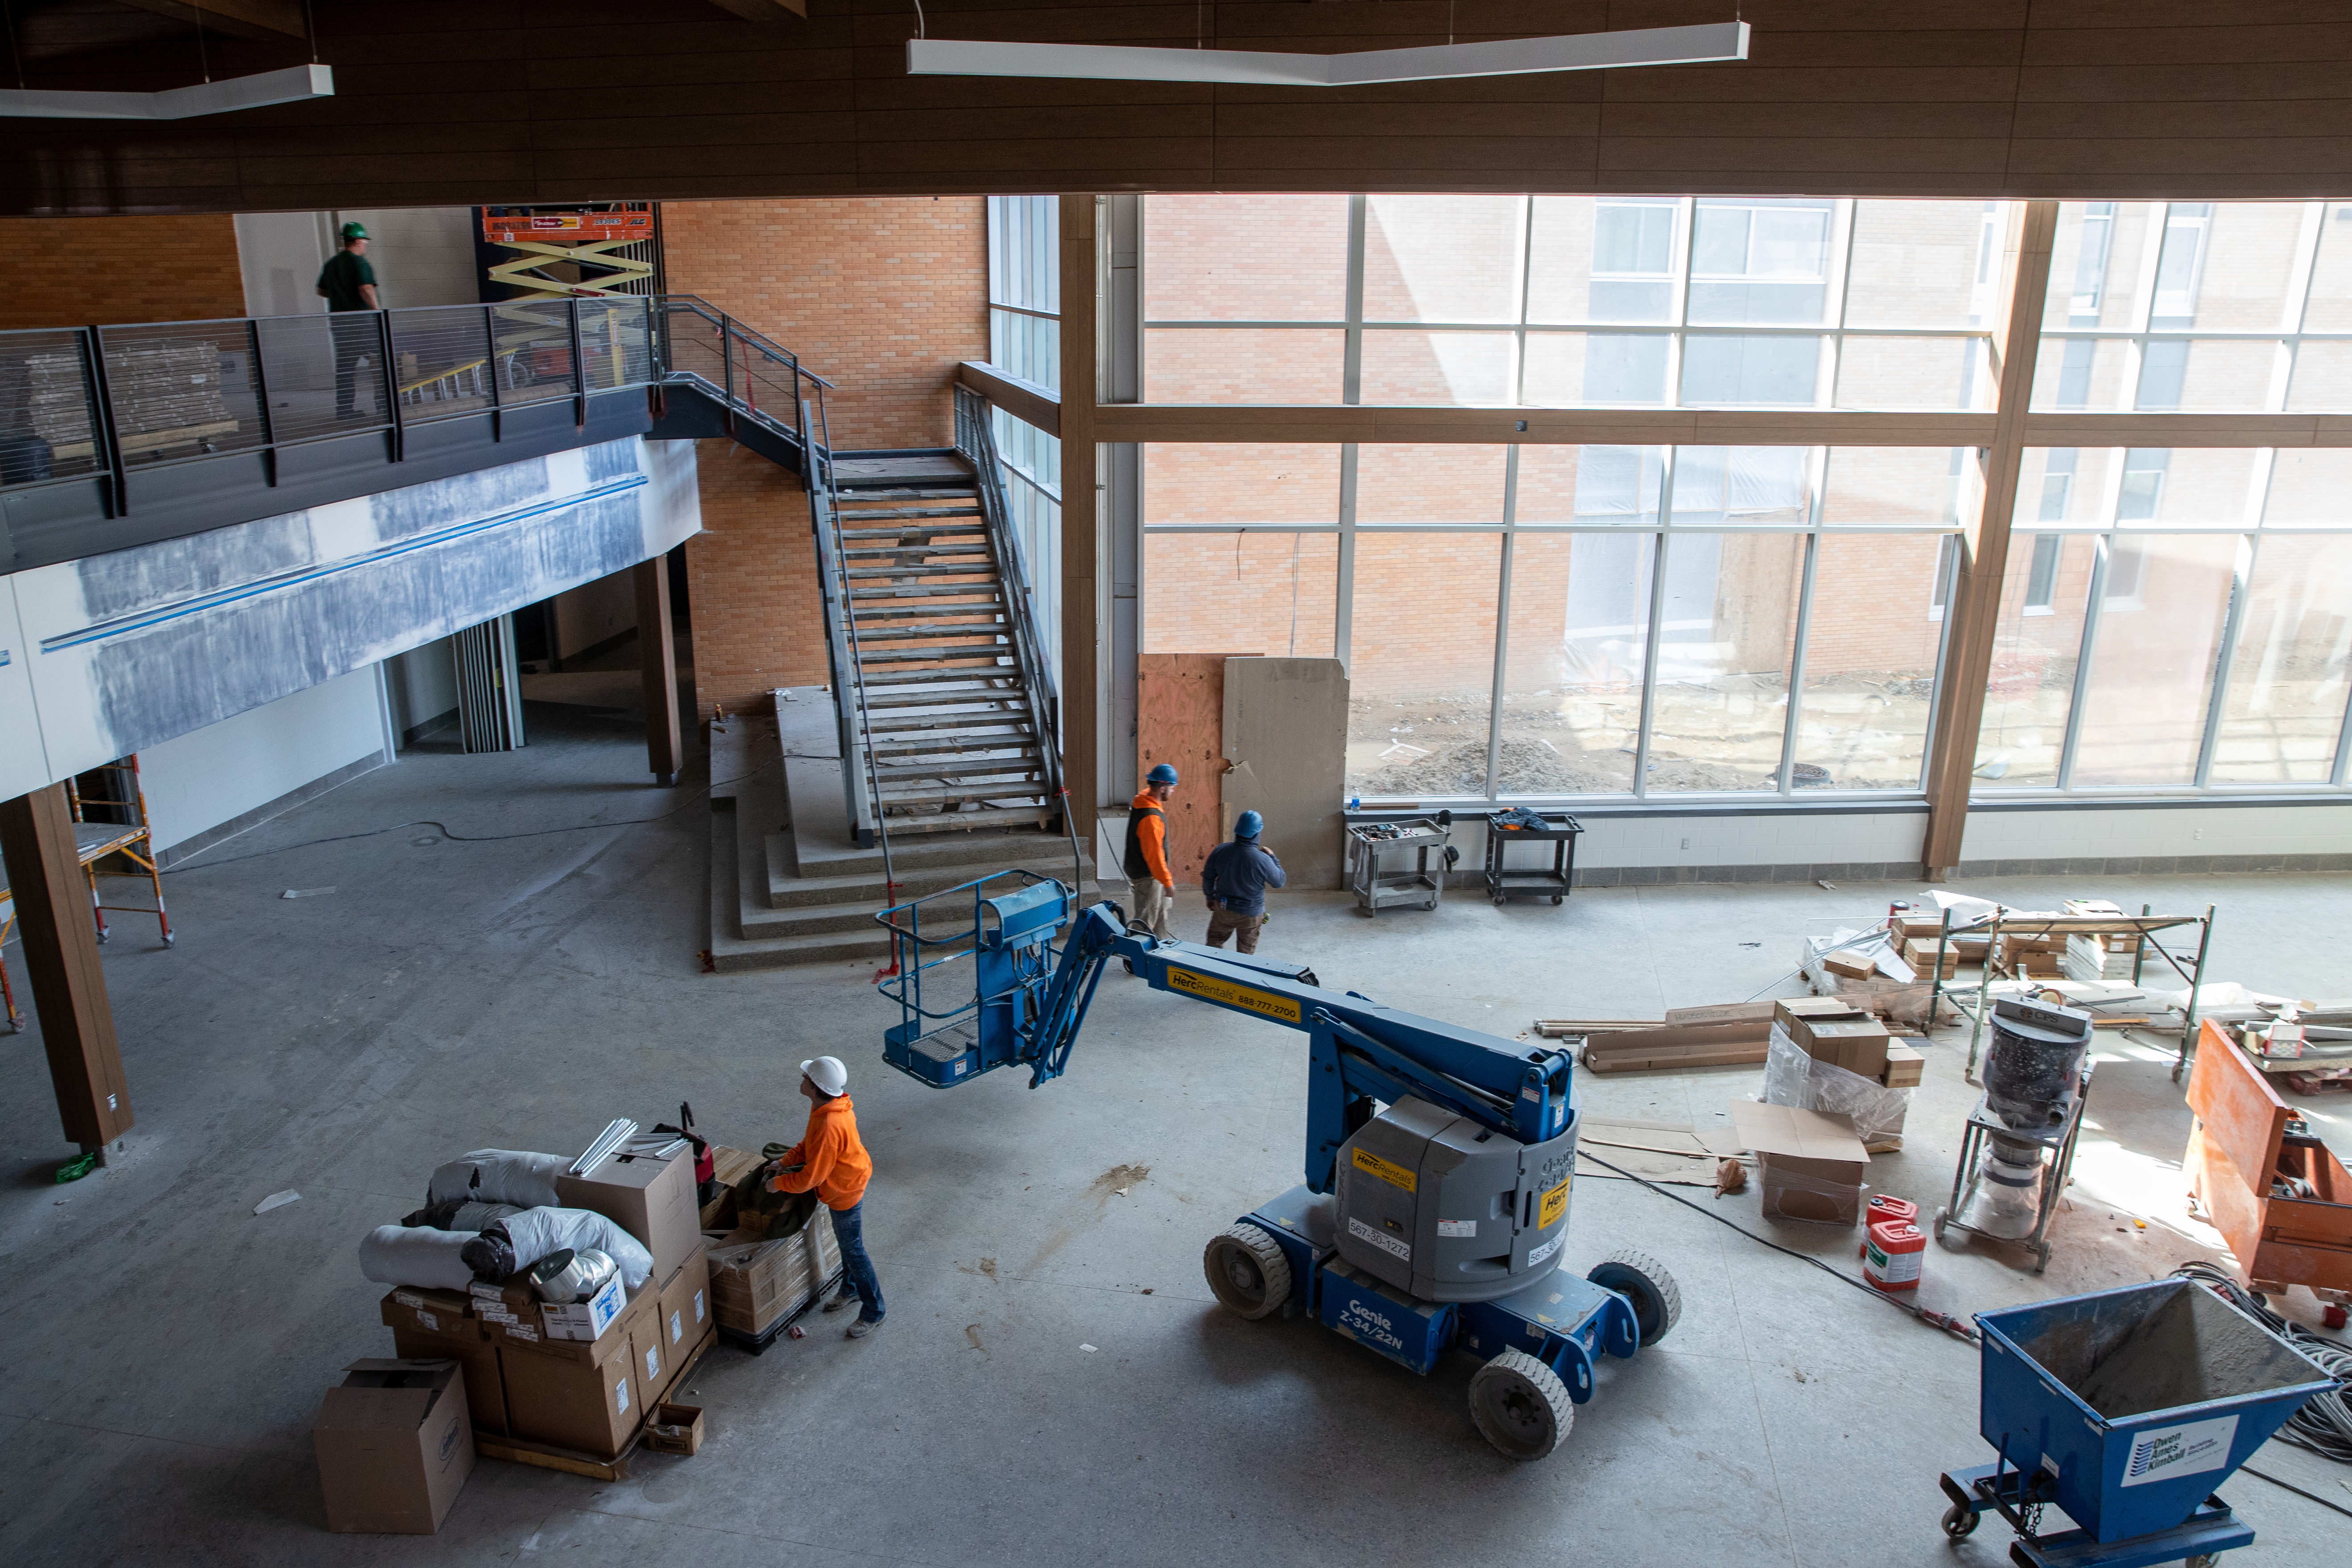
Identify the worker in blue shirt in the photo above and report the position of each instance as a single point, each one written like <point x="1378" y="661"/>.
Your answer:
<point x="1235" y="879"/>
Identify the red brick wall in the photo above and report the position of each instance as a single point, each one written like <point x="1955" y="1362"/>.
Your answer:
<point x="95" y="271"/>
<point x="881" y="297"/>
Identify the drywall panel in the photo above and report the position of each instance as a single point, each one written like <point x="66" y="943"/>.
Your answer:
<point x="423" y="686"/>
<point x="1795" y="838"/>
<point x="1180" y="720"/>
<point x="594" y="613"/>
<point x="207" y="776"/>
<point x="1286" y="736"/>
<point x="421" y="255"/>
<point x="132" y="648"/>
<point x="22" y="766"/>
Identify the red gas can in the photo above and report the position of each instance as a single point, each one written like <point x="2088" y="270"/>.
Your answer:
<point x="1891" y="1260"/>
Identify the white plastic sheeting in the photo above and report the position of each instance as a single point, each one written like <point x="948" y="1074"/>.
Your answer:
<point x="498" y="1177"/>
<point x="415" y="1255"/>
<point x="537" y="1232"/>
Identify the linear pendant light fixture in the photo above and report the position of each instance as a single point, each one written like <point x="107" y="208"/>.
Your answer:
<point x="1510" y="57"/>
<point x="295" y="84"/>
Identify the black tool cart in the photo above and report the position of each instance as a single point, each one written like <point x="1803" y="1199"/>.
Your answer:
<point x="1518" y="826"/>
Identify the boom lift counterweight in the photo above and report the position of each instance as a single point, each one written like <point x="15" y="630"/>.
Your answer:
<point x="1438" y="1162"/>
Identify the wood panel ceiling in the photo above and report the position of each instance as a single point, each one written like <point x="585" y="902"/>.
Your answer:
<point x="465" y="101"/>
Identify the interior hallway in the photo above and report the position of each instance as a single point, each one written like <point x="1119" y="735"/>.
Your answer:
<point x="521" y="982"/>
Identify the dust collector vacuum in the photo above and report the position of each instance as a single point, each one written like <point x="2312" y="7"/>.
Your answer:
<point x="2031" y="1076"/>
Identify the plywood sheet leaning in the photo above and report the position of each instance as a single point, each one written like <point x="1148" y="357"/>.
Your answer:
<point x="1286" y="735"/>
<point x="1179" y="718"/>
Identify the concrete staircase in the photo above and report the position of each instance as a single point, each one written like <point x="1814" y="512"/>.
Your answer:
<point x="789" y="884"/>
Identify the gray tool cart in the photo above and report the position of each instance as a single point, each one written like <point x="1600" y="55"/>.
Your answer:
<point x="1395" y="863"/>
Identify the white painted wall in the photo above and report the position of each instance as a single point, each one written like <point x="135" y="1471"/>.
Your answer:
<point x="207" y="776"/>
<point x="589" y="613"/>
<point x="423" y="255"/>
<point x="422" y="685"/>
<point x="1796" y="840"/>
<point x="2124" y="833"/>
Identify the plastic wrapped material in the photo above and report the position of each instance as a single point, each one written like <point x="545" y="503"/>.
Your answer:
<point x="1793" y="1077"/>
<point x="460" y="1214"/>
<point x="536" y="1232"/>
<point x="415" y="1255"/>
<point x="500" y="1176"/>
<point x="1906" y="1003"/>
<point x="1787" y="1194"/>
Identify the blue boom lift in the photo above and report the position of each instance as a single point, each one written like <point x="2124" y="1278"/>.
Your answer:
<point x="1439" y="1159"/>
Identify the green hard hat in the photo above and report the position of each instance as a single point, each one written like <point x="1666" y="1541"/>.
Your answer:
<point x="354" y="231"/>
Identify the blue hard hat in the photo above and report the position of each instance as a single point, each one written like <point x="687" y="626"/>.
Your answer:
<point x="1249" y="825"/>
<point x="1163" y="773"/>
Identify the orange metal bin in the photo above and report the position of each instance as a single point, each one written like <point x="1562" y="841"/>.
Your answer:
<point x="2239" y="1155"/>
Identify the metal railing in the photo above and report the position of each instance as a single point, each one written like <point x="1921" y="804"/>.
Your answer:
<point x="76" y="402"/>
<point x="975" y="439"/>
<point x="852" y="723"/>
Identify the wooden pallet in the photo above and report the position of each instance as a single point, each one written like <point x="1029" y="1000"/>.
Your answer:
<point x="573" y="1462"/>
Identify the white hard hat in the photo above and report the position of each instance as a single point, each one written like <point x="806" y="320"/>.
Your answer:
<point x="827" y="1073"/>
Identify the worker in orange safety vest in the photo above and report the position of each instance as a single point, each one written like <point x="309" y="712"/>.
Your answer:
<point x="1146" y="864"/>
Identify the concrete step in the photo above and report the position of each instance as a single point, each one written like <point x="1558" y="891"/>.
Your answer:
<point x="920" y="881"/>
<point x="822" y="846"/>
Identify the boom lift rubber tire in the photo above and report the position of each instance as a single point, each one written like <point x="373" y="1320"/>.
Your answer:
<point x="1247" y="1270"/>
<point x="1520" y="1406"/>
<point x="1657" y="1300"/>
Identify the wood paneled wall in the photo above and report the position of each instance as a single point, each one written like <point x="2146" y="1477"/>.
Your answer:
<point x="441" y="102"/>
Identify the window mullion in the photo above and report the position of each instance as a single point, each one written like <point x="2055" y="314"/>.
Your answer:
<point x="1351" y="370"/>
<point x="2095" y="596"/>
<point x="2226" y="656"/>
<point x="1655" y="618"/>
<point x="1502" y="655"/>
<point x="1343" y="614"/>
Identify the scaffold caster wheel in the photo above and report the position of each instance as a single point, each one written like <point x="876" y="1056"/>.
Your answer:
<point x="171" y="940"/>
<point x="1942" y="1215"/>
<point x="1555" y="899"/>
<point x="104" y="935"/>
<point x="1959" y="1523"/>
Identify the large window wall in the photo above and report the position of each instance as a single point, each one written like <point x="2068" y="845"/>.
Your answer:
<point x="1546" y="621"/>
<point x="1570" y="301"/>
<point x="1024" y="337"/>
<point x="2173" y="618"/>
<point x="1682" y="621"/>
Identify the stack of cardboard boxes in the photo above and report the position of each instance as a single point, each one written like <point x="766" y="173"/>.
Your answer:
<point x="1810" y="1163"/>
<point x="582" y="1377"/>
<point x="1833" y="1030"/>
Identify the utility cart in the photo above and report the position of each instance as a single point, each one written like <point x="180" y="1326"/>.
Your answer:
<point x="1391" y="864"/>
<point x="1505" y="829"/>
<point x="1973" y="1181"/>
<point x="2124" y="1410"/>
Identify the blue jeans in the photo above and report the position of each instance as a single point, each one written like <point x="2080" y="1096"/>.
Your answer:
<point x="850" y="1231"/>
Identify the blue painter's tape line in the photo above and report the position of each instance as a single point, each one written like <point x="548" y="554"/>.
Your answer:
<point x="124" y="625"/>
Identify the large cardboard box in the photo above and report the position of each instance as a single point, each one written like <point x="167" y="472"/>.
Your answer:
<point x="533" y="1337"/>
<point x="651" y="1199"/>
<point x="445" y="1315"/>
<point x="1811" y="1162"/>
<point x="591" y="1406"/>
<point x="683" y="1308"/>
<point x="486" y="1389"/>
<point x="396" y="1444"/>
<point x="1856" y="1042"/>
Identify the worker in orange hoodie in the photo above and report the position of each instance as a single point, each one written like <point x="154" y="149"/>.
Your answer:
<point x="1146" y="863"/>
<point x="830" y="1159"/>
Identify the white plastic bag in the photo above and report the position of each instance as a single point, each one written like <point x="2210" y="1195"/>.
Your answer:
<point x="500" y="1176"/>
<point x="1793" y="1077"/>
<point x="537" y="1232"/>
<point x="415" y="1255"/>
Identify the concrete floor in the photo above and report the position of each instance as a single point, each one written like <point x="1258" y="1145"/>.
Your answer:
<point x="165" y="1348"/>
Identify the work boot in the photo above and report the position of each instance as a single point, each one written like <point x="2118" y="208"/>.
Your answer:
<point x="863" y="1327"/>
<point x="848" y="1297"/>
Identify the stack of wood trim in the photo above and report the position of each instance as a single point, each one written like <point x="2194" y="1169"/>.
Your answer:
<point x="1736" y="1034"/>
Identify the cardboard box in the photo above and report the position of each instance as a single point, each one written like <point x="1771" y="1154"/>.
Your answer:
<point x="1811" y="1162"/>
<point x="587" y="1320"/>
<point x="533" y="1337"/>
<point x="589" y="1405"/>
<point x="1852" y="1040"/>
<point x="1756" y="1013"/>
<point x="1789" y="1010"/>
<point x="486" y="1387"/>
<point x="1921" y="956"/>
<point x="1905" y="1067"/>
<point x="675" y="1429"/>
<point x="396" y="1444"/>
<point x="651" y="1199"/>
<point x="683" y="1309"/>
<point x="1851" y="965"/>
<point x="446" y="1315"/>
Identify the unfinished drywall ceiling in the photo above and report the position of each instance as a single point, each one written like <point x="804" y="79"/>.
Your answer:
<point x="1286" y="739"/>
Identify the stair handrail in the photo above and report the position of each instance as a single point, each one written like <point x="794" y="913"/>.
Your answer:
<point x="976" y="442"/>
<point x="737" y="343"/>
<point x="861" y="785"/>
